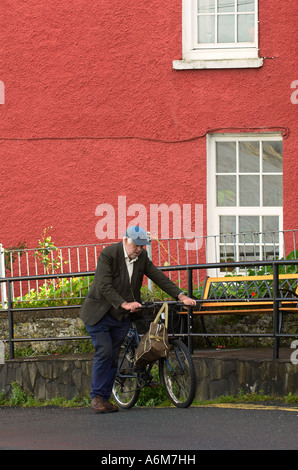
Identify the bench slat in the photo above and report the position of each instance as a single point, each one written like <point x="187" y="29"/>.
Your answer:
<point x="228" y="312"/>
<point x="223" y="307"/>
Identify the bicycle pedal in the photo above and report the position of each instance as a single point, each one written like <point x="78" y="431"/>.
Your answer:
<point x="154" y="384"/>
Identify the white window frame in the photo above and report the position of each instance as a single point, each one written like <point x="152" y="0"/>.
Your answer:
<point x="206" y="56"/>
<point x="214" y="211"/>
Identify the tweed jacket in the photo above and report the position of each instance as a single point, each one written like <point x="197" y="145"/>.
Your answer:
<point x="111" y="286"/>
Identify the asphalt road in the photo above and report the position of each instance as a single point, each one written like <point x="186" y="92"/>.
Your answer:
<point x="168" y="429"/>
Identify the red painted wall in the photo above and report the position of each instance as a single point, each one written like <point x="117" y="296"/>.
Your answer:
<point x="103" y="70"/>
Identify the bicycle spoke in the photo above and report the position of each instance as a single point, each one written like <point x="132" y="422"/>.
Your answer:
<point x="178" y="375"/>
<point x="125" y="389"/>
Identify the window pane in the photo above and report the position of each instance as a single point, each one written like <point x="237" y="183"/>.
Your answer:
<point x="206" y="29"/>
<point x="245" y="5"/>
<point x="225" y="157"/>
<point x="226" y="28"/>
<point x="226" y="5"/>
<point x="272" y="157"/>
<point x="249" y="253"/>
<point x="246" y="28"/>
<point x="226" y="190"/>
<point x="206" y="6"/>
<point x="270" y="252"/>
<point x="249" y="157"/>
<point x="272" y="190"/>
<point x="270" y="223"/>
<point x="227" y="255"/>
<point x="227" y="225"/>
<point x="249" y="191"/>
<point x="248" y="224"/>
<point x="270" y="229"/>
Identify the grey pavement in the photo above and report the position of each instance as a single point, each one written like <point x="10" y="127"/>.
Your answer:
<point x="194" y="428"/>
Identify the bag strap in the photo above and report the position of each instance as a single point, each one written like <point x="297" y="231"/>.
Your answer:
<point x="164" y="308"/>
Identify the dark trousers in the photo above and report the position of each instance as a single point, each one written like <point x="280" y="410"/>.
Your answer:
<point x="107" y="336"/>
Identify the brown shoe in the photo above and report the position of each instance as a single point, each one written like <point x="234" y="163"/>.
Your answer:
<point x="109" y="406"/>
<point x="98" y="405"/>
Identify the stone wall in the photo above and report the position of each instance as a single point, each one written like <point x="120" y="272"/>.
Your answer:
<point x="246" y="324"/>
<point x="223" y="377"/>
<point x="69" y="376"/>
<point x="66" y="322"/>
<point x="44" y="324"/>
<point x="49" y="376"/>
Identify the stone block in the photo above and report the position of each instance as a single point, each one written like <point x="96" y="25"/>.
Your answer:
<point x="216" y="370"/>
<point x="45" y="368"/>
<point x="219" y="388"/>
<point x="202" y="369"/>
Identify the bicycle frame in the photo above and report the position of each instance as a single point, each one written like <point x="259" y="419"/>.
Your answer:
<point x="178" y="359"/>
<point x="176" y="373"/>
<point x="141" y="373"/>
<point x="149" y="366"/>
<point x="136" y="338"/>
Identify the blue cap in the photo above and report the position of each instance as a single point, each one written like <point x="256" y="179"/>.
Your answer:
<point x="137" y="235"/>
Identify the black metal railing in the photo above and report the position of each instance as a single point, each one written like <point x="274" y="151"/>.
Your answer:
<point x="276" y="335"/>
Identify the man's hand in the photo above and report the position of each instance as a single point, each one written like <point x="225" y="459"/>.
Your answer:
<point x="131" y="306"/>
<point x="187" y="300"/>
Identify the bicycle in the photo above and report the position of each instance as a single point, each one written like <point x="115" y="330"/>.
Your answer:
<point x="176" y="373"/>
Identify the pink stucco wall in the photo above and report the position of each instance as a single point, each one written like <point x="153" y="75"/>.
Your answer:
<point x="103" y="70"/>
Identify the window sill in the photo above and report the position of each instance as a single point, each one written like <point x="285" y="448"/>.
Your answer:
<point x="217" y="64"/>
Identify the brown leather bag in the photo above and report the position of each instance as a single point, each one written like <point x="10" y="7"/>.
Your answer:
<point x="154" y="344"/>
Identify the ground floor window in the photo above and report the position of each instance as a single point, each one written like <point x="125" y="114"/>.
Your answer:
<point x="245" y="197"/>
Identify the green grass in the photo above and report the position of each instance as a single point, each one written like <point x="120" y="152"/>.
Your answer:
<point x="252" y="398"/>
<point x="18" y="397"/>
<point x="151" y="397"/>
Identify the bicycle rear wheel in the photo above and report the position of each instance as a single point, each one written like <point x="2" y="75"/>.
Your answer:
<point x="177" y="374"/>
<point x="125" y="390"/>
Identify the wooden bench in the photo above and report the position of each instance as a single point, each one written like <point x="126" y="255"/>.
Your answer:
<point x="242" y="295"/>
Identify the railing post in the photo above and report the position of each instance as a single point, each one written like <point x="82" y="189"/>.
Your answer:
<point x="149" y="251"/>
<point x="190" y="311"/>
<point x="10" y="320"/>
<point x="2" y="274"/>
<point x="276" y="339"/>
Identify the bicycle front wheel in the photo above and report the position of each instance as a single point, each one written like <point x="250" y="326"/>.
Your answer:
<point x="125" y="390"/>
<point x="177" y="374"/>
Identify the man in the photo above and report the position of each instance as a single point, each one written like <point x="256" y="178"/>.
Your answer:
<point x="114" y="294"/>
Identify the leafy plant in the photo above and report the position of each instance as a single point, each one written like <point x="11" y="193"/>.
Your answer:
<point x="45" y="253"/>
<point x="66" y="292"/>
<point x="153" y="396"/>
<point x="283" y="269"/>
<point x="18" y="396"/>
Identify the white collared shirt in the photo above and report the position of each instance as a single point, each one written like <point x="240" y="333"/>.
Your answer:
<point x="129" y="263"/>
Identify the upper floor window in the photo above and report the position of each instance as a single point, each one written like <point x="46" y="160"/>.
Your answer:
<point x="219" y="34"/>
<point x="226" y="22"/>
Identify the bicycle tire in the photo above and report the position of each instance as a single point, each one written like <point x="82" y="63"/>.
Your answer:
<point x="125" y="390"/>
<point x="177" y="374"/>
